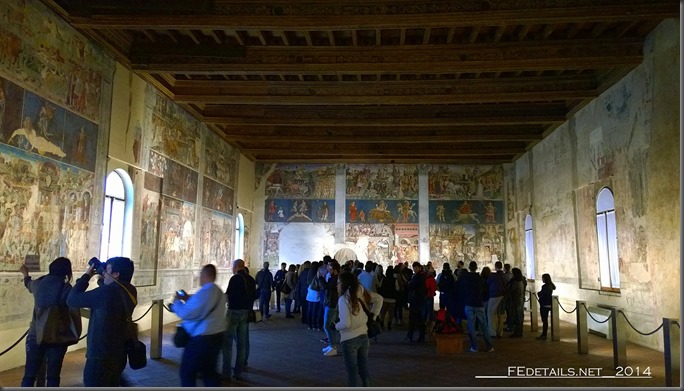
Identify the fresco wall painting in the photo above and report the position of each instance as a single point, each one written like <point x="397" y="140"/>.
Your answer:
<point x="382" y="212"/>
<point x="296" y="194"/>
<point x="216" y="238"/>
<point x="467" y="214"/>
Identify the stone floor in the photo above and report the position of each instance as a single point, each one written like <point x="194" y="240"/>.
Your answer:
<point x="284" y="353"/>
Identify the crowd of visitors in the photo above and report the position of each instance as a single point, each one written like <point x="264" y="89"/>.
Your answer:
<point x="335" y="298"/>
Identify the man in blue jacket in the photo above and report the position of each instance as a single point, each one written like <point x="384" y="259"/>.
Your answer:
<point x="111" y="305"/>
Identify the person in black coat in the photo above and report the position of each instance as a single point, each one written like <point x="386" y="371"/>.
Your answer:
<point x="545" y="296"/>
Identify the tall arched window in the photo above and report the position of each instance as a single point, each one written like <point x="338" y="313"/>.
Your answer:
<point x="117" y="217"/>
<point x="529" y="247"/>
<point x="239" y="237"/>
<point x="607" y="240"/>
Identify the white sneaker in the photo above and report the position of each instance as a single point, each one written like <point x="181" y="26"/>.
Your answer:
<point x="331" y="352"/>
<point x="325" y="349"/>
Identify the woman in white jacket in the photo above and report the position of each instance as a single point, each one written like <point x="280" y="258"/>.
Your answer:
<point x="352" y="326"/>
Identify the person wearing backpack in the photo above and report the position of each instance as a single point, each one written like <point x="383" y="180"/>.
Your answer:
<point x="445" y="283"/>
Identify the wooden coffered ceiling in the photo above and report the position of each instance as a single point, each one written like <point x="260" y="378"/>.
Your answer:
<point x="405" y="81"/>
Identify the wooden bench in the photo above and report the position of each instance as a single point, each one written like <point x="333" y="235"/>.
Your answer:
<point x="451" y="343"/>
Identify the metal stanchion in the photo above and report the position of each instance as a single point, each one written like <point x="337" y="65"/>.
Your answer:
<point x="582" y="328"/>
<point x="619" y="338"/>
<point x="671" y="350"/>
<point x="534" y="310"/>
<point x="555" y="320"/>
<point x="156" y="327"/>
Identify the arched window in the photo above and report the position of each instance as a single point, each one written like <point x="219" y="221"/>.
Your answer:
<point x="239" y="237"/>
<point x="529" y="247"/>
<point x="117" y="217"/>
<point x="607" y="240"/>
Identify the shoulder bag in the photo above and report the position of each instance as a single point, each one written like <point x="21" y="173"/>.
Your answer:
<point x="251" y="314"/>
<point x="56" y="324"/>
<point x="136" y="351"/>
<point x="374" y="326"/>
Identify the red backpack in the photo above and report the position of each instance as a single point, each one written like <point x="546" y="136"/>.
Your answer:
<point x="444" y="323"/>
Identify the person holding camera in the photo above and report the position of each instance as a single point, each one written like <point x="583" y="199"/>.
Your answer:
<point x="202" y="315"/>
<point x="111" y="305"/>
<point x="48" y="291"/>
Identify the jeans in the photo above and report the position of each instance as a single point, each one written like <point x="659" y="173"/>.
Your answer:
<point x="264" y="303"/>
<point x="545" y="319"/>
<point x="236" y="329"/>
<point x="36" y="355"/>
<point x="329" y="319"/>
<point x="477" y="314"/>
<point x="355" y="353"/>
<point x="201" y="356"/>
<point x="387" y="311"/>
<point x="312" y="313"/>
<point x="288" y="306"/>
<point x="494" y="317"/>
<point x="103" y="372"/>
<point x="277" y="300"/>
<point x="416" y="321"/>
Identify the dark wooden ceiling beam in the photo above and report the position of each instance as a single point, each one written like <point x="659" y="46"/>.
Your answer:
<point x="211" y="58"/>
<point x="313" y="16"/>
<point x="390" y="92"/>
<point x="397" y="134"/>
<point x="369" y="149"/>
<point x="380" y="159"/>
<point x="539" y="119"/>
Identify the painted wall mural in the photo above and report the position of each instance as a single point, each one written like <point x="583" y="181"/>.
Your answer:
<point x="300" y="211"/>
<point x="149" y="232"/>
<point x="39" y="50"/>
<point x="44" y="209"/>
<point x="301" y="181"/>
<point x="216" y="238"/>
<point x="172" y="132"/>
<point x="467" y="214"/>
<point x="220" y="160"/>
<point x="177" y="234"/>
<point x="178" y="181"/>
<point x="382" y="181"/>
<point x="217" y="196"/>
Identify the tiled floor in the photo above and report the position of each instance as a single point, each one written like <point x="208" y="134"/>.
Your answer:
<point x="284" y="353"/>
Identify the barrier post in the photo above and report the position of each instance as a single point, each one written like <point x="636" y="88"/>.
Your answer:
<point x="555" y="320"/>
<point x="619" y="337"/>
<point x="671" y="350"/>
<point x="534" y="312"/>
<point x="582" y="328"/>
<point x="156" y="327"/>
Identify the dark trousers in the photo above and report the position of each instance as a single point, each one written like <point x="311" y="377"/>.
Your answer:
<point x="312" y="312"/>
<point x="288" y="306"/>
<point x="416" y="321"/>
<point x="278" y="300"/>
<point x="36" y="355"/>
<point x="201" y="356"/>
<point x="545" y="319"/>
<point x="103" y="372"/>
<point x="264" y="303"/>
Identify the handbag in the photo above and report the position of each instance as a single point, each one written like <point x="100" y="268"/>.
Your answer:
<point x="60" y="325"/>
<point x="374" y="326"/>
<point x="285" y="288"/>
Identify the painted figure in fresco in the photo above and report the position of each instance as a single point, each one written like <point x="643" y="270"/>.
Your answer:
<point x="29" y="140"/>
<point x="490" y="214"/>
<point x="271" y="210"/>
<point x="323" y="212"/>
<point x="353" y="213"/>
<point x="80" y="147"/>
<point x="281" y="215"/>
<point x="440" y="213"/>
<point x="362" y="216"/>
<point x="381" y="213"/>
<point x="407" y="212"/>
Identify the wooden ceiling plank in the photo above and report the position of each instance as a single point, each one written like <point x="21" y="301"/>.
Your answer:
<point x="307" y="36"/>
<point x="149" y="35"/>
<point x="499" y="33"/>
<point x="484" y="120"/>
<point x="360" y="151"/>
<point x="450" y="35"/>
<point x="212" y="34"/>
<point x="355" y="38"/>
<point x="474" y="33"/>
<point x="331" y="37"/>
<point x="524" y="29"/>
<point x="402" y="37"/>
<point x="533" y="56"/>
<point x="548" y="30"/>
<point x="426" y="35"/>
<point x="236" y="35"/>
<point x="260" y="35"/>
<point x="189" y="33"/>
<point x="525" y="12"/>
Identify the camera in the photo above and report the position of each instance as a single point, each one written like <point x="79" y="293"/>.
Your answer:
<point x="98" y="266"/>
<point x="182" y="294"/>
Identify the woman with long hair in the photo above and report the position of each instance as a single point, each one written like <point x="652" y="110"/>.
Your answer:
<point x="545" y="296"/>
<point x="516" y="288"/>
<point x="352" y="326"/>
<point x="48" y="291"/>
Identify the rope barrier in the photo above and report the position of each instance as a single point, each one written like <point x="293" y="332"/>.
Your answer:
<point x="634" y="328"/>
<point x="146" y="312"/>
<point x="594" y="319"/>
<point x="567" y="312"/>
<point x="677" y="324"/>
<point x="529" y="298"/>
<point x="167" y="308"/>
<point x="14" y="344"/>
